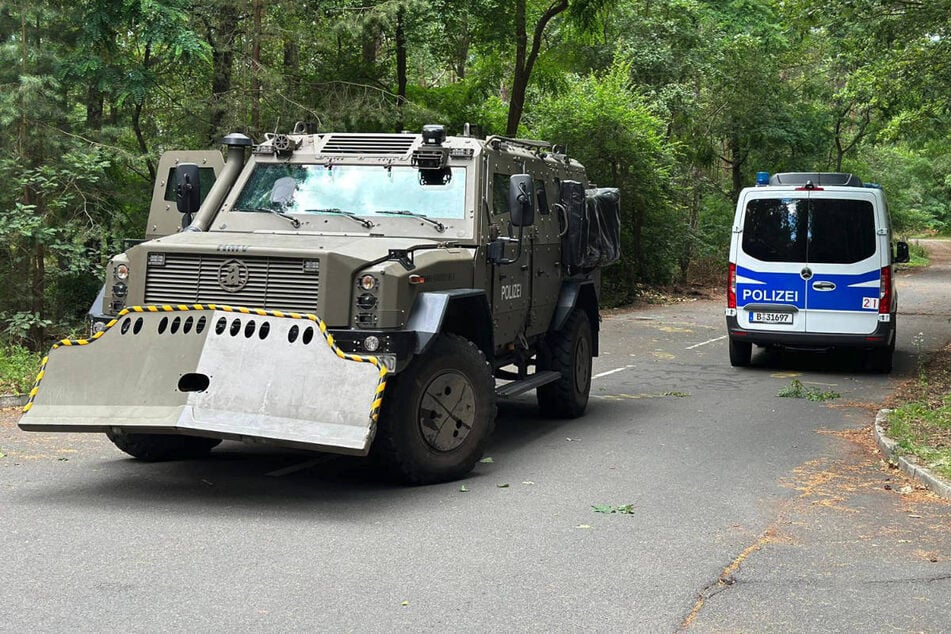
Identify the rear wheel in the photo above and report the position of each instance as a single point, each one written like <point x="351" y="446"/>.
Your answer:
<point x="740" y="353"/>
<point x="569" y="352"/>
<point x="880" y="359"/>
<point x="438" y="414"/>
<point x="161" y="447"/>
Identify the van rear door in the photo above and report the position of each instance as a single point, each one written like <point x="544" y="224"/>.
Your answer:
<point x="770" y="257"/>
<point x="845" y="248"/>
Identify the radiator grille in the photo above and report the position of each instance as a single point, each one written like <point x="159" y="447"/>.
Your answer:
<point x="272" y="283"/>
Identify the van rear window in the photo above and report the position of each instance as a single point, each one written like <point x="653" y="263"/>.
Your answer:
<point x="775" y="229"/>
<point x="840" y="231"/>
<point x="820" y="230"/>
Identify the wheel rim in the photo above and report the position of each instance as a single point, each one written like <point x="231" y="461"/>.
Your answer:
<point x="446" y="411"/>
<point x="582" y="365"/>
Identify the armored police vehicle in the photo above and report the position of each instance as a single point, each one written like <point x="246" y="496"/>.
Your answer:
<point x="811" y="267"/>
<point x="343" y="293"/>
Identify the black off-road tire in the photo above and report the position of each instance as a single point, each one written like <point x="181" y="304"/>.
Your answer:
<point x="161" y="447"/>
<point x="438" y="414"/>
<point x="740" y="353"/>
<point x="569" y="352"/>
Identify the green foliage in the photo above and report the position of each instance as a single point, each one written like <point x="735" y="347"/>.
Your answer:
<point x="18" y="369"/>
<point x="797" y="390"/>
<point x="923" y="431"/>
<point x="612" y="130"/>
<point x="677" y="103"/>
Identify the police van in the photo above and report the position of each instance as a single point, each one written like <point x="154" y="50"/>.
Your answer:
<point x="811" y="267"/>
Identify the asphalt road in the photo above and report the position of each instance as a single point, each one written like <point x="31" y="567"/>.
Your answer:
<point x="749" y="512"/>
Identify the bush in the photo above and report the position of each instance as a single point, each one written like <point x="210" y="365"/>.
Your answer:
<point x="604" y="123"/>
<point x="18" y="369"/>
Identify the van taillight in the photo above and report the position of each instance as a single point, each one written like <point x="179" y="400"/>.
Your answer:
<point x="731" y="287"/>
<point x="885" y="291"/>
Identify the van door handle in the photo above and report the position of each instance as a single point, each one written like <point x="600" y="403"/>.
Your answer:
<point x="825" y="285"/>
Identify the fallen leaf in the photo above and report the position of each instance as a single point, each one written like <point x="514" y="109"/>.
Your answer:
<point x="528" y="482"/>
<point x="487" y="460"/>
<point x="463" y="489"/>
<point x="583" y="526"/>
<point x="503" y="485"/>
<point x="603" y="508"/>
<point x="404" y="603"/>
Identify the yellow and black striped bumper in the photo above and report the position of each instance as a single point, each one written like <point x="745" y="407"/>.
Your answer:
<point x="211" y="370"/>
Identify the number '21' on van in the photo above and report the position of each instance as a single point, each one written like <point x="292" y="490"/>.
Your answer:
<point x="811" y="267"/>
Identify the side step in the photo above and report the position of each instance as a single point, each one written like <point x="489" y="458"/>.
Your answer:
<point x="514" y="388"/>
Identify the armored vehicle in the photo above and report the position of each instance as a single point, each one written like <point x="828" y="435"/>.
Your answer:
<point x="346" y="293"/>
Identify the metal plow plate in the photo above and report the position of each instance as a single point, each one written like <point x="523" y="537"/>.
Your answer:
<point x="225" y="373"/>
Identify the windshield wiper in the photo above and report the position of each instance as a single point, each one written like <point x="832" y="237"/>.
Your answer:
<point x="290" y="219"/>
<point x="340" y="212"/>
<point x="440" y="227"/>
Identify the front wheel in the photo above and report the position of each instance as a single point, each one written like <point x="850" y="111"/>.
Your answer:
<point x="161" y="447"/>
<point x="567" y="351"/>
<point x="438" y="414"/>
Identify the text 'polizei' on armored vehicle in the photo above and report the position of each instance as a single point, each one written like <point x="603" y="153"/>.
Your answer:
<point x="343" y="293"/>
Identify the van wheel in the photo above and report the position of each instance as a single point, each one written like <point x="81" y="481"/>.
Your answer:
<point x="161" y="447"/>
<point x="740" y="353"/>
<point x="880" y="359"/>
<point x="567" y="351"/>
<point x="438" y="414"/>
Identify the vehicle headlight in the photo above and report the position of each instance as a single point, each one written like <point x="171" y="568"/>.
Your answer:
<point x="367" y="282"/>
<point x="121" y="272"/>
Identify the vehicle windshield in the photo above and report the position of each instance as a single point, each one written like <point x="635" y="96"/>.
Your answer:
<point x="362" y="190"/>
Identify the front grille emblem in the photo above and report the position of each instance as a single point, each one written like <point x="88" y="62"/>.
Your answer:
<point x="232" y="275"/>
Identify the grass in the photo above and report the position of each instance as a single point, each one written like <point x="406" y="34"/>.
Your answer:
<point x="921" y="418"/>
<point x="919" y="256"/>
<point x="18" y="368"/>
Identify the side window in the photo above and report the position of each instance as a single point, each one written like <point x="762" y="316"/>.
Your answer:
<point x="500" y="193"/>
<point x="541" y="196"/>
<point x="206" y="178"/>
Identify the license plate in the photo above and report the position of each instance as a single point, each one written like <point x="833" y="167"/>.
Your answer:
<point x="759" y="317"/>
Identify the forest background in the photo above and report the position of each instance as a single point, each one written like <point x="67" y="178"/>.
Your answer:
<point x="678" y="103"/>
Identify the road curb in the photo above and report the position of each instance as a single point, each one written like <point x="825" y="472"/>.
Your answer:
<point x="909" y="468"/>
<point x="8" y="400"/>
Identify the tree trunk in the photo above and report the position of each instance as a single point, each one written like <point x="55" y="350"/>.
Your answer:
<point x="94" y="107"/>
<point x="524" y="63"/>
<point x="221" y="38"/>
<point x="137" y="122"/>
<point x="400" y="68"/>
<point x="258" y="10"/>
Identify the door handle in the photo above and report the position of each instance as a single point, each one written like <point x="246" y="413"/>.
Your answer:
<point x="824" y="285"/>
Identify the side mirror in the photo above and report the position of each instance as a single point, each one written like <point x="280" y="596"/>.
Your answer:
<point x="902" y="254"/>
<point x="282" y="192"/>
<point x="522" y="200"/>
<point x="187" y="188"/>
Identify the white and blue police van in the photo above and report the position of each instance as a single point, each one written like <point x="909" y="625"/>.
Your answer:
<point x="811" y="267"/>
